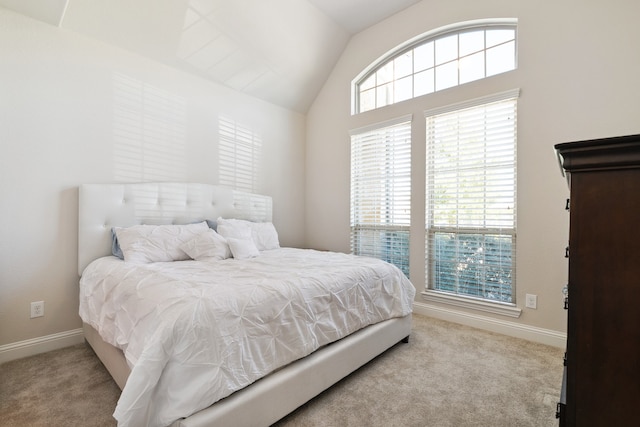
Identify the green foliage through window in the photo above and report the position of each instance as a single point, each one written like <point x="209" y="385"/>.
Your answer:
<point x="387" y="245"/>
<point x="476" y="265"/>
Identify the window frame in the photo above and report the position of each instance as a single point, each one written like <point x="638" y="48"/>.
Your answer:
<point x="467" y="301"/>
<point x="423" y="39"/>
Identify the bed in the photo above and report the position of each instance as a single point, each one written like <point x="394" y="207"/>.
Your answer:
<point x="152" y="376"/>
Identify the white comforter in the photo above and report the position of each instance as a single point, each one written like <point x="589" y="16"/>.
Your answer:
<point x="194" y="332"/>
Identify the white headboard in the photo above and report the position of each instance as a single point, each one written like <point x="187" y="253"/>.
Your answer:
<point x="102" y="206"/>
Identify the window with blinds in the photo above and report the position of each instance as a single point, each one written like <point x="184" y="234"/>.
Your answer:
<point x="471" y="199"/>
<point x="381" y="192"/>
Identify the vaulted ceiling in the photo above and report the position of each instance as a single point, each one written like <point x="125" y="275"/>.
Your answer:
<point x="281" y="51"/>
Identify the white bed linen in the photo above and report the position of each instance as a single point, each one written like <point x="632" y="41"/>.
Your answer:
<point x="194" y="332"/>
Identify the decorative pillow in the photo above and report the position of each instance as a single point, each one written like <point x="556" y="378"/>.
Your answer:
<point x="234" y="228"/>
<point x="263" y="234"/>
<point x="115" y="247"/>
<point x="212" y="224"/>
<point x="207" y="246"/>
<point x="154" y="243"/>
<point x="243" y="248"/>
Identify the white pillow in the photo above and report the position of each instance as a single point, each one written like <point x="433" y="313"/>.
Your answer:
<point x="155" y="243"/>
<point x="207" y="246"/>
<point x="243" y="248"/>
<point x="263" y="234"/>
<point x="234" y="228"/>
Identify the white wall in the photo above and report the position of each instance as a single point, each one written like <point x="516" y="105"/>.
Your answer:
<point x="69" y="108"/>
<point x="578" y="74"/>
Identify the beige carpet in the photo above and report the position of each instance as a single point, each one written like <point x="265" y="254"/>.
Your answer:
<point x="448" y="375"/>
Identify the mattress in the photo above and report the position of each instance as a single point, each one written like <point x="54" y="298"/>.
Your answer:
<point x="194" y="332"/>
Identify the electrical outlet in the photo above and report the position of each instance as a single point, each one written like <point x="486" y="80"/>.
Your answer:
<point x="37" y="309"/>
<point x="531" y="301"/>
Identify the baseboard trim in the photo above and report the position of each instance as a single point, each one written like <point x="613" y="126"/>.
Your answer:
<point x="39" y="345"/>
<point x="512" y="329"/>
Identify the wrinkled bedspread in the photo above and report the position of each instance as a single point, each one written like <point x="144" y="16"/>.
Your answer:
<point x="194" y="332"/>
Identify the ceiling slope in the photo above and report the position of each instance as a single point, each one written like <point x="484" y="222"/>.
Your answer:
<point x="281" y="51"/>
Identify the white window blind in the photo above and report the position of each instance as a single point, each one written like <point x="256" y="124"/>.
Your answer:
<point x="471" y="200"/>
<point x="381" y="193"/>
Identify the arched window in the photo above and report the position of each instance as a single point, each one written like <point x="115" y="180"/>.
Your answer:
<point x="437" y="60"/>
<point x="469" y="253"/>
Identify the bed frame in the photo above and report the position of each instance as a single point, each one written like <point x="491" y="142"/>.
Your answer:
<point x="270" y="398"/>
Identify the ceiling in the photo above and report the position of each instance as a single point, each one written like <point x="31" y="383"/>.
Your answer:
<point x="281" y="51"/>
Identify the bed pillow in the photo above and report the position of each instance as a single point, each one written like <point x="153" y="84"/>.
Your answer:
<point x="207" y="246"/>
<point x="243" y="248"/>
<point x="115" y="247"/>
<point x="263" y="234"/>
<point x="233" y="228"/>
<point x="157" y="243"/>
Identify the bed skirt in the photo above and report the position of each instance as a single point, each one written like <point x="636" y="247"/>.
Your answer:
<point x="276" y="395"/>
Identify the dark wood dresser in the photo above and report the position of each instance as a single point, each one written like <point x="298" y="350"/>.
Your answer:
<point x="602" y="362"/>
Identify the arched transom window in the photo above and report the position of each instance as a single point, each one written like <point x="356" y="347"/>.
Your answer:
<point x="437" y="60"/>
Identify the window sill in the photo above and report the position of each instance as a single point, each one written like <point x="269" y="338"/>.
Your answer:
<point x="503" y="309"/>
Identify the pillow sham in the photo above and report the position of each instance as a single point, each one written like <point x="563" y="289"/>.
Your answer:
<point x="212" y="224"/>
<point x="207" y="246"/>
<point x="233" y="228"/>
<point x="242" y="248"/>
<point x="115" y="247"/>
<point x="143" y="244"/>
<point x="263" y="234"/>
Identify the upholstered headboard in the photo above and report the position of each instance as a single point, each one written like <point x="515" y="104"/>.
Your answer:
<point x="102" y="206"/>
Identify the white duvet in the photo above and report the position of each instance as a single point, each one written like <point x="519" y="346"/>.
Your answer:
<point x="194" y="332"/>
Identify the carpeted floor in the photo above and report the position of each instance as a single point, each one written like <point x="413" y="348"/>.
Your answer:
<point x="67" y="387"/>
<point x="447" y="376"/>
